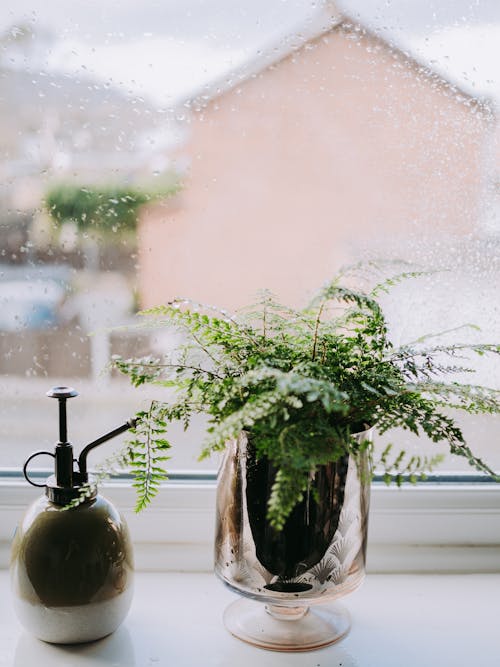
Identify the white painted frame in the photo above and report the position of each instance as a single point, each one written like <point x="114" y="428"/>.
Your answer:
<point x="431" y="527"/>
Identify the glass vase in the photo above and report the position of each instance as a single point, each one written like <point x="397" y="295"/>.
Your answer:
<point x="319" y="555"/>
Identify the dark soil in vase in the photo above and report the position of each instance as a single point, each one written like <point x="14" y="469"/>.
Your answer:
<point x="309" y="529"/>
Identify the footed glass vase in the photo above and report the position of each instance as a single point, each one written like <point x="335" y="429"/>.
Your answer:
<point x="319" y="555"/>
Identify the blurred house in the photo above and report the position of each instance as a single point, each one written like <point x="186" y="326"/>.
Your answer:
<point x="332" y="145"/>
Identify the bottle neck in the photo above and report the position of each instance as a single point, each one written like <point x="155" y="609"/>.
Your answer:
<point x="62" y="495"/>
<point x="64" y="464"/>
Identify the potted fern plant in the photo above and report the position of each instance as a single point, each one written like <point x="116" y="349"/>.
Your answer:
<point x="292" y="397"/>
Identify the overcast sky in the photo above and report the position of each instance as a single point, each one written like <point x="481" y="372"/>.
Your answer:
<point x="159" y="49"/>
<point x="164" y="49"/>
<point x="232" y="24"/>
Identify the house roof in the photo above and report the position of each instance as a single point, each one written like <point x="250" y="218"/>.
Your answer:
<point x="328" y="17"/>
<point x="458" y="39"/>
<point x="320" y="22"/>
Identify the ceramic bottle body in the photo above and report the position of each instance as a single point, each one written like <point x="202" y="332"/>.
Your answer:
<point x="72" y="570"/>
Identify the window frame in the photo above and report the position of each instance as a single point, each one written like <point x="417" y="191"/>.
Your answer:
<point x="447" y="526"/>
<point x="431" y="527"/>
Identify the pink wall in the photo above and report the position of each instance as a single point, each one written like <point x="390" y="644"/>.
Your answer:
<point x="340" y="147"/>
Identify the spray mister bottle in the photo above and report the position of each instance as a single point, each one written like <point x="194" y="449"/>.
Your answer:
<point x="71" y="568"/>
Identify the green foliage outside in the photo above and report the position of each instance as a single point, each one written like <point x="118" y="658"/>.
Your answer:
<point x="301" y="382"/>
<point x="103" y="209"/>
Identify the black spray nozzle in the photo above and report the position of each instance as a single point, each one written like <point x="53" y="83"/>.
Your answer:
<point x="61" y="488"/>
<point x="82" y="459"/>
<point x="62" y="394"/>
<point x="63" y="451"/>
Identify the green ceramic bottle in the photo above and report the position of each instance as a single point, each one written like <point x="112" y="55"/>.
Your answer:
<point x="71" y="569"/>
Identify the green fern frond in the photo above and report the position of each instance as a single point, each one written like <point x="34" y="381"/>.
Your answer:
<point x="301" y="382"/>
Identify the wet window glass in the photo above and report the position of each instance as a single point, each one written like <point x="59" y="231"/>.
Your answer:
<point x="211" y="149"/>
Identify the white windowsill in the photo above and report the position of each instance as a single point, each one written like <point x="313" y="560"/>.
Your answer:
<point x="176" y="619"/>
<point x="426" y="528"/>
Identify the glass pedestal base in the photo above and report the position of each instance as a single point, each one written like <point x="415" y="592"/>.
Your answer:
<point x="280" y="628"/>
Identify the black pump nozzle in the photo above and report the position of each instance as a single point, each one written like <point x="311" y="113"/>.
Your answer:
<point x="64" y="450"/>
<point x="65" y="484"/>
<point x="62" y="394"/>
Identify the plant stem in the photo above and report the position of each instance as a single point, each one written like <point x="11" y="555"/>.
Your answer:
<point x="316" y="329"/>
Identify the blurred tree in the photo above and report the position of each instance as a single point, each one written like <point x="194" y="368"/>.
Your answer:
<point x="102" y="212"/>
<point x="103" y="209"/>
